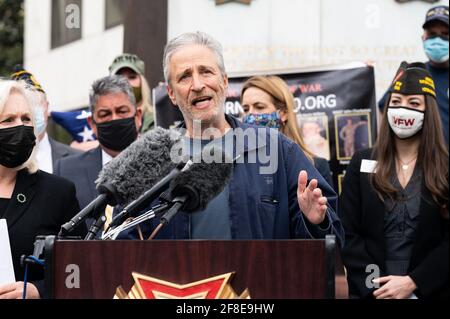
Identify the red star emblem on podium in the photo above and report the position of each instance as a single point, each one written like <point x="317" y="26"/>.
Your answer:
<point x="146" y="287"/>
<point x="153" y="288"/>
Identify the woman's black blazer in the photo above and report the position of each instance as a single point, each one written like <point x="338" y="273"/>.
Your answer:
<point x="39" y="205"/>
<point x="362" y="214"/>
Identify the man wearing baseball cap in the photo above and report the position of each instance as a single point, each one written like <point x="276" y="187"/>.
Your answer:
<point x="132" y="68"/>
<point x="435" y="44"/>
<point x="127" y="60"/>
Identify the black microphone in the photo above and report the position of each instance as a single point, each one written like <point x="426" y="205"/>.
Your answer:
<point x="142" y="164"/>
<point x="194" y="188"/>
<point x="108" y="194"/>
<point x="148" y="196"/>
<point x="136" y="169"/>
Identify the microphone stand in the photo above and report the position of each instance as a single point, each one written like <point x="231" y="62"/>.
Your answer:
<point x="108" y="195"/>
<point x="95" y="227"/>
<point x="83" y="214"/>
<point x="132" y="222"/>
<point x="178" y="203"/>
<point x="186" y="198"/>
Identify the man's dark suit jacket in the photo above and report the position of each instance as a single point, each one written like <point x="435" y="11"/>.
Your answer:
<point x="44" y="204"/>
<point x="82" y="170"/>
<point x="60" y="150"/>
<point x="362" y="213"/>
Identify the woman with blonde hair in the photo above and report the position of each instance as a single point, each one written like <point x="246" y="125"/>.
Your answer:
<point x="394" y="201"/>
<point x="267" y="101"/>
<point x="33" y="202"/>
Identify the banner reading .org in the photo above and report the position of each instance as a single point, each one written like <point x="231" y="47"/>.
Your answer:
<point x="335" y="107"/>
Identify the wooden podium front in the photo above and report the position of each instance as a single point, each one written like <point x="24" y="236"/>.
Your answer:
<point x="275" y="269"/>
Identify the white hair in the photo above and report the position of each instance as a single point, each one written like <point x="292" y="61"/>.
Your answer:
<point x="192" y="38"/>
<point x="8" y="87"/>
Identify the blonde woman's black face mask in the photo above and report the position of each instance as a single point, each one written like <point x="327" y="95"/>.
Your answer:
<point x="16" y="145"/>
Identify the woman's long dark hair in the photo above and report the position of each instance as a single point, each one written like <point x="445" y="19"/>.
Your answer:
<point x="432" y="157"/>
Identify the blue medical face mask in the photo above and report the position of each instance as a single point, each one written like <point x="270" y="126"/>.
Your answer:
<point x="436" y="49"/>
<point x="39" y="119"/>
<point x="272" y="120"/>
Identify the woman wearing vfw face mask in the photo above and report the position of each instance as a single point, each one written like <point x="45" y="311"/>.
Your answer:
<point x="394" y="201"/>
<point x="33" y="202"/>
<point x="267" y="101"/>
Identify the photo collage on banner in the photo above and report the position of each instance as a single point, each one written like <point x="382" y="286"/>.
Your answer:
<point x="335" y="107"/>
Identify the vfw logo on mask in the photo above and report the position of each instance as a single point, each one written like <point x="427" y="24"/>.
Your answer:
<point x="405" y="122"/>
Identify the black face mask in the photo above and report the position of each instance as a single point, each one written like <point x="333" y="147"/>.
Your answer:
<point x="16" y="145"/>
<point x="118" y="134"/>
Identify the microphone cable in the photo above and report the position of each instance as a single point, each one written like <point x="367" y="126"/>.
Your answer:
<point x="26" y="261"/>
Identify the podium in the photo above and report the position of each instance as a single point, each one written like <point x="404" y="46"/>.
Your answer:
<point x="269" y="269"/>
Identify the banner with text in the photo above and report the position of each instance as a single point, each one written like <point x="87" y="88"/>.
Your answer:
<point x="335" y="108"/>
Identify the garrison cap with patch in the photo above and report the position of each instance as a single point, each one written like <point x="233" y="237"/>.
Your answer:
<point x="413" y="78"/>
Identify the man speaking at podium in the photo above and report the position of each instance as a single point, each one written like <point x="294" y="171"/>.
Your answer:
<point x="286" y="199"/>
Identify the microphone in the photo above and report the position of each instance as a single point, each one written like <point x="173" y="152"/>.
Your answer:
<point x="143" y="163"/>
<point x="194" y="188"/>
<point x="108" y="194"/>
<point x="191" y="190"/>
<point x="136" y="169"/>
<point x="148" y="196"/>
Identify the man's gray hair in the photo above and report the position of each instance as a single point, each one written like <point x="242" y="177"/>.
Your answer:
<point x="193" y="38"/>
<point x="108" y="85"/>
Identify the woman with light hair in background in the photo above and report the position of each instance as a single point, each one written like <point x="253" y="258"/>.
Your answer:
<point x="33" y="202"/>
<point x="267" y="101"/>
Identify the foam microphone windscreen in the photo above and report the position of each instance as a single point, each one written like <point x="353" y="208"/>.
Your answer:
<point x="143" y="163"/>
<point x="205" y="179"/>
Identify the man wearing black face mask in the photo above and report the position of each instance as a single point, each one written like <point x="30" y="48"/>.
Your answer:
<point x="116" y="121"/>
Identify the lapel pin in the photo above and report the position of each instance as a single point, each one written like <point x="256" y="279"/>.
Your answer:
<point x="21" y="198"/>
